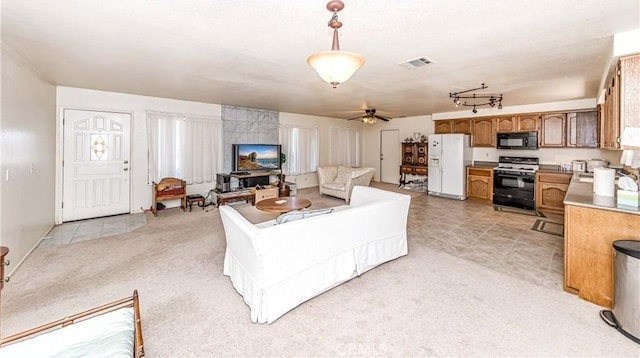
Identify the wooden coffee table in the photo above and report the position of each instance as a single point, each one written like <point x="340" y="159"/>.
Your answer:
<point x="224" y="198"/>
<point x="283" y="204"/>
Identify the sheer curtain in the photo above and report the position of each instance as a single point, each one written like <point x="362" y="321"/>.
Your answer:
<point x="345" y="146"/>
<point x="301" y="146"/>
<point x="184" y="146"/>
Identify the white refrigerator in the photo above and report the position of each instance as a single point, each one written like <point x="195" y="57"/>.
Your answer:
<point x="449" y="155"/>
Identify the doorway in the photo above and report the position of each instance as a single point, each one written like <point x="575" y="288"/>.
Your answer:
<point x="389" y="156"/>
<point x="96" y="155"/>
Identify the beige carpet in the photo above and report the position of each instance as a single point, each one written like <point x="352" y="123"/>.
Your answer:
<point x="427" y="303"/>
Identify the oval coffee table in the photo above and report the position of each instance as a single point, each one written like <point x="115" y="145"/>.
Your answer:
<point x="283" y="204"/>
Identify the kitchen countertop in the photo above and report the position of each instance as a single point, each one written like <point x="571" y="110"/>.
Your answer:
<point x="484" y="165"/>
<point x="581" y="194"/>
<point x="550" y="168"/>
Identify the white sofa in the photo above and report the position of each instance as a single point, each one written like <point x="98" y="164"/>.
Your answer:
<point x="276" y="267"/>
<point x="339" y="180"/>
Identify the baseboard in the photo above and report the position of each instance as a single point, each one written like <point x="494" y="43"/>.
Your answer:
<point x="14" y="268"/>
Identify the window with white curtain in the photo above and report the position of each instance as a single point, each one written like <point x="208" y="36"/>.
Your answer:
<point x="184" y="146"/>
<point x="345" y="146"/>
<point x="301" y="146"/>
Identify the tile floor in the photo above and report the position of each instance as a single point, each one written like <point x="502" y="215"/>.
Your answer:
<point x="499" y="240"/>
<point x="468" y="229"/>
<point x="90" y="229"/>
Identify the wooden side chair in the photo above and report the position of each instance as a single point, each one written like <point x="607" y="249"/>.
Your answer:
<point x="169" y="189"/>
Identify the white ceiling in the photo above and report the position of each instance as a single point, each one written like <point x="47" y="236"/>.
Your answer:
<point x="252" y="53"/>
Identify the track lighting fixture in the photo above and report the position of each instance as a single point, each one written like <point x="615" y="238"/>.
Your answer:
<point x="491" y="99"/>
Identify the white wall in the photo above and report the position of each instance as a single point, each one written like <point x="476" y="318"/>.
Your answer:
<point x="324" y="125"/>
<point x="28" y="156"/>
<point x="79" y="98"/>
<point x="405" y="126"/>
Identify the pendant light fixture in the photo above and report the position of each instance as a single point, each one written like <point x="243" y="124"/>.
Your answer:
<point x="335" y="66"/>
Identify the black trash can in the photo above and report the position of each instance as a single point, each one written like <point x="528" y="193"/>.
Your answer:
<point x="625" y="316"/>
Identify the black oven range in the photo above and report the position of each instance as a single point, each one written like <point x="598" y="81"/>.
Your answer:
<point x="514" y="182"/>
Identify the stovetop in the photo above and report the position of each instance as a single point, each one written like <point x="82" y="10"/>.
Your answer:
<point x="518" y="164"/>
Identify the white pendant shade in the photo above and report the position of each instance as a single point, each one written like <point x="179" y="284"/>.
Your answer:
<point x="335" y="66"/>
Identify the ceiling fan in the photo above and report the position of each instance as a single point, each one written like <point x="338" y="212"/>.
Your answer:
<point x="370" y="116"/>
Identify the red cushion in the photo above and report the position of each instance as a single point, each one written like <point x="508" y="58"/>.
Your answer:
<point x="170" y="192"/>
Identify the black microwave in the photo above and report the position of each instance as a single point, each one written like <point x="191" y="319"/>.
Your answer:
<point x="521" y="140"/>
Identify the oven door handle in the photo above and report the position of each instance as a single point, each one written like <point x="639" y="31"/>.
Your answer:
<point x="500" y="175"/>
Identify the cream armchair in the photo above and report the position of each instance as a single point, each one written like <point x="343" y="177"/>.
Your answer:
<point x="339" y="180"/>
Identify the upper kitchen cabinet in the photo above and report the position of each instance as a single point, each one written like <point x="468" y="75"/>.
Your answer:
<point x="553" y="130"/>
<point x="506" y="124"/>
<point x="621" y="107"/>
<point x="462" y="126"/>
<point x="518" y="123"/>
<point x="528" y="122"/>
<point x="453" y="126"/>
<point x="582" y="129"/>
<point x="629" y="92"/>
<point x="443" y="127"/>
<point x="484" y="132"/>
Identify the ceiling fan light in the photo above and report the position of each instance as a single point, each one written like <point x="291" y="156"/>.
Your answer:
<point x="335" y="66"/>
<point x="369" y="120"/>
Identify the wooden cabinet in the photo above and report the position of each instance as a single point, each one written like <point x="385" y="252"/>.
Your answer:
<point x="629" y="94"/>
<point x="553" y="130"/>
<point x="519" y="123"/>
<point x="506" y="124"/>
<point x="443" y="126"/>
<point x="453" y="126"/>
<point x="551" y="189"/>
<point x="462" y="126"/>
<point x="528" y="122"/>
<point x="609" y="114"/>
<point x="414" y="160"/>
<point x="582" y="129"/>
<point x="621" y="107"/>
<point x="484" y="132"/>
<point x="480" y="183"/>
<point x="415" y="153"/>
<point x="588" y="255"/>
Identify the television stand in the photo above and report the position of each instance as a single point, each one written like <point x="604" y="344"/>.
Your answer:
<point x="251" y="179"/>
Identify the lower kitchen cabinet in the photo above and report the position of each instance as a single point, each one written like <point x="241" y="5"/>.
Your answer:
<point x="480" y="183"/>
<point x="551" y="189"/>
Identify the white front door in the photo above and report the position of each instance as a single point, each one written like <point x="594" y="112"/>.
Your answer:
<point x="96" y="164"/>
<point x="390" y="156"/>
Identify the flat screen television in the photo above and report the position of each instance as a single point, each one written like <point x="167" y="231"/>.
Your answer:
<point x="256" y="157"/>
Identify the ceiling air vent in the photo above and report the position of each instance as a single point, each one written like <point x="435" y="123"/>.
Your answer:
<point x="416" y="62"/>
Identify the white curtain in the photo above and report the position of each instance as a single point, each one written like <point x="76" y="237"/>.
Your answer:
<point x="345" y="146"/>
<point x="301" y="146"/>
<point x="184" y="146"/>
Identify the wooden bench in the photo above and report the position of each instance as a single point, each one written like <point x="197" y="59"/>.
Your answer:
<point x="169" y="189"/>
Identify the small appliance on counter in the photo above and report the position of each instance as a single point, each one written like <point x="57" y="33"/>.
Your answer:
<point x="579" y="166"/>
<point x="596" y="163"/>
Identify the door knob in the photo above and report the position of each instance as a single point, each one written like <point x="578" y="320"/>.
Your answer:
<point x="126" y="162"/>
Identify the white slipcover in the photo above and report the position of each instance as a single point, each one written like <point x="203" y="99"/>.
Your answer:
<point x="108" y="335"/>
<point x="339" y="180"/>
<point x="277" y="267"/>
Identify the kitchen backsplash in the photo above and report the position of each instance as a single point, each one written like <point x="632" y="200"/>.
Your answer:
<point x="550" y="155"/>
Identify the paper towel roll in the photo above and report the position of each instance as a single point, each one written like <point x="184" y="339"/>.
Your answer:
<point x="604" y="181"/>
